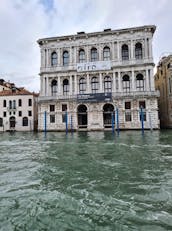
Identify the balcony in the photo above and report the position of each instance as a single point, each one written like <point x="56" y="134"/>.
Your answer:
<point x="115" y="95"/>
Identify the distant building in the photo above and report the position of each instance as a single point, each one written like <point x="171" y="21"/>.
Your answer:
<point x="18" y="108"/>
<point x="88" y="80"/>
<point x="163" y="83"/>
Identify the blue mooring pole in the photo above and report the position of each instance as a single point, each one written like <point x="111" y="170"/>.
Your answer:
<point x="113" y="122"/>
<point x="66" y="120"/>
<point x="142" y="119"/>
<point x="117" y="120"/>
<point x="45" y="121"/>
<point x="71" y="124"/>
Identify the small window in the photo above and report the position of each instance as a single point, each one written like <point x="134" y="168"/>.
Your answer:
<point x="65" y="86"/>
<point x="4" y="113"/>
<point x="54" y="87"/>
<point x="127" y="105"/>
<point x="94" y="85"/>
<point x="20" y="102"/>
<point x="20" y="113"/>
<point x="25" y="121"/>
<point x="139" y="82"/>
<point x="52" y="107"/>
<point x="126" y="83"/>
<point x="1" y="122"/>
<point x="128" y="116"/>
<point x="52" y="118"/>
<point x="29" y="102"/>
<point x="29" y="113"/>
<point x="142" y="104"/>
<point x="64" y="107"/>
<point x="4" y="103"/>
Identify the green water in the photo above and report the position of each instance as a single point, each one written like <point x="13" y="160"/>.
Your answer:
<point x="86" y="181"/>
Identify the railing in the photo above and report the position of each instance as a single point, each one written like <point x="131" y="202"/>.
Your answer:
<point x="114" y="63"/>
<point x="115" y="95"/>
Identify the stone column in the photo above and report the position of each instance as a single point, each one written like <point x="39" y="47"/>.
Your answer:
<point x="118" y="52"/>
<point x="101" y="83"/>
<point x="150" y="48"/>
<point x="88" y="84"/>
<point x="70" y="85"/>
<point x="146" y="49"/>
<point x="132" y="50"/>
<point x="133" y="87"/>
<point x="114" y="82"/>
<point x="119" y="82"/>
<point x="152" y="87"/>
<point x="47" y="86"/>
<point x="75" y="84"/>
<point x="59" y="85"/>
<point x="147" y="88"/>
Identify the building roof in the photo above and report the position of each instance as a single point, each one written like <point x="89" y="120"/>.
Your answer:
<point x="15" y="91"/>
<point x="108" y="31"/>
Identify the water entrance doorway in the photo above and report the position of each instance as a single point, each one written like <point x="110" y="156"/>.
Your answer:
<point x="108" y="109"/>
<point x="82" y="116"/>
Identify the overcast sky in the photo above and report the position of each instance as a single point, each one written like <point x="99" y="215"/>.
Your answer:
<point x="23" y="22"/>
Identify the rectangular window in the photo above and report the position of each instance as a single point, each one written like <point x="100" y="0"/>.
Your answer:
<point x="20" y="102"/>
<point x="29" y="113"/>
<point x="29" y="102"/>
<point x="20" y="113"/>
<point x="64" y="107"/>
<point x="52" y="118"/>
<point x="128" y="116"/>
<point x="4" y="103"/>
<point x="127" y="105"/>
<point x="52" y="107"/>
<point x="5" y="114"/>
<point x="127" y="111"/>
<point x="142" y="104"/>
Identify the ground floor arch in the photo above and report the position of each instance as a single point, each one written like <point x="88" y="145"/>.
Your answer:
<point x="108" y="112"/>
<point x="82" y="116"/>
<point x="12" y="122"/>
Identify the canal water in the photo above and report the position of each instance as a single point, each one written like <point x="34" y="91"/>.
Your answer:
<point x="92" y="181"/>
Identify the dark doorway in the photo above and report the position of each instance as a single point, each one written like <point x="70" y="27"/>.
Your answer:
<point x="82" y="116"/>
<point x="12" y="122"/>
<point x="108" y="110"/>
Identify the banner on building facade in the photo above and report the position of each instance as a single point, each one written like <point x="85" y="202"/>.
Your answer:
<point x="98" y="97"/>
<point x="93" y="66"/>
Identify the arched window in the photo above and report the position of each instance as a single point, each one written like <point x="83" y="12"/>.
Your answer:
<point x="140" y="82"/>
<point x="54" y="59"/>
<point x="82" y="85"/>
<point x="65" y="58"/>
<point x="125" y="53"/>
<point x="25" y="121"/>
<point x="65" y="86"/>
<point x="1" y="122"/>
<point x="94" y="55"/>
<point x="107" y="84"/>
<point x="138" y="51"/>
<point x="54" y="87"/>
<point x="81" y="56"/>
<point x="106" y="53"/>
<point x="94" y="85"/>
<point x="126" y="83"/>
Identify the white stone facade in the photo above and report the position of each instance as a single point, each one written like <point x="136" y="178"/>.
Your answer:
<point x="93" y="78"/>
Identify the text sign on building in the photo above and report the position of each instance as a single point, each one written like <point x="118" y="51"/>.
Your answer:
<point x="98" y="97"/>
<point x="93" y="66"/>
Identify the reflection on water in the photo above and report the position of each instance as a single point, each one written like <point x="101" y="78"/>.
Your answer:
<point x="86" y="181"/>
